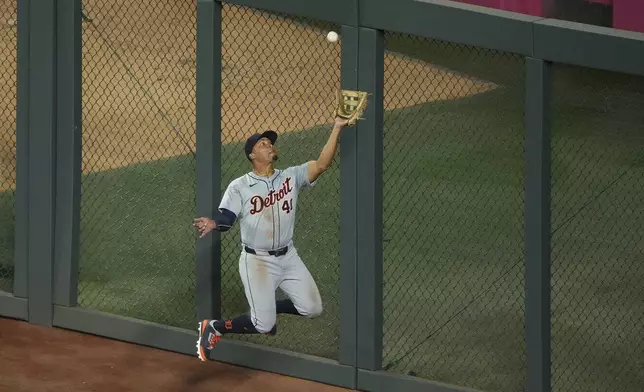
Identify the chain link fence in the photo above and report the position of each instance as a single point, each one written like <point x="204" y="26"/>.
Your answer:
<point x="138" y="185"/>
<point x="280" y="73"/>
<point x="453" y="214"/>
<point x="597" y="231"/>
<point x="8" y="86"/>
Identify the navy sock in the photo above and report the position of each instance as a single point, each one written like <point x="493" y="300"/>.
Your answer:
<point x="243" y="324"/>
<point x="240" y="325"/>
<point x="286" y="306"/>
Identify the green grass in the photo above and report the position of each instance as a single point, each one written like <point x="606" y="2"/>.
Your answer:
<point x="136" y="242"/>
<point x="453" y="230"/>
<point x="598" y="210"/>
<point x="457" y="245"/>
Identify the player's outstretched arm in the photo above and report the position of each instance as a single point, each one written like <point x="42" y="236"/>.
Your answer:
<point x="328" y="151"/>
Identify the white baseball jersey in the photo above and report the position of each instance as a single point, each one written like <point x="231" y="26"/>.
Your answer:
<point x="266" y="206"/>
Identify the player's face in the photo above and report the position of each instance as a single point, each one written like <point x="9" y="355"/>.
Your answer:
<point x="264" y="151"/>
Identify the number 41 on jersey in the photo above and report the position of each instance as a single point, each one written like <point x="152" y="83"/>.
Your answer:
<point x="287" y="206"/>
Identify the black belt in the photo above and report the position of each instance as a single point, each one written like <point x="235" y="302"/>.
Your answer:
<point x="276" y="252"/>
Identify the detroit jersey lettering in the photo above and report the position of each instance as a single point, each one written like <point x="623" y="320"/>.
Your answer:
<point x="266" y="206"/>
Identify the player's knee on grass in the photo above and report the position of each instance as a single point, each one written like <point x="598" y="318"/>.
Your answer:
<point x="265" y="324"/>
<point x="312" y="310"/>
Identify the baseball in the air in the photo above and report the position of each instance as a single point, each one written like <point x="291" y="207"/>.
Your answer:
<point x="332" y="36"/>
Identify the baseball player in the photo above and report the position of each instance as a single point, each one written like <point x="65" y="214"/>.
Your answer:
<point x="264" y="201"/>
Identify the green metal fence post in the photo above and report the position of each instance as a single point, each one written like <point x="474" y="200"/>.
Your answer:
<point x="21" y="253"/>
<point x="208" y="154"/>
<point x="537" y="224"/>
<point x="42" y="158"/>
<point x="369" y="207"/>
<point x="348" y="208"/>
<point x="68" y="151"/>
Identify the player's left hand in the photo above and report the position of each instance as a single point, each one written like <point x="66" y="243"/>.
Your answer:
<point x="204" y="226"/>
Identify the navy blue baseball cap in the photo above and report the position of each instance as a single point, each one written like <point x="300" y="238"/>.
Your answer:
<point x="251" y="141"/>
